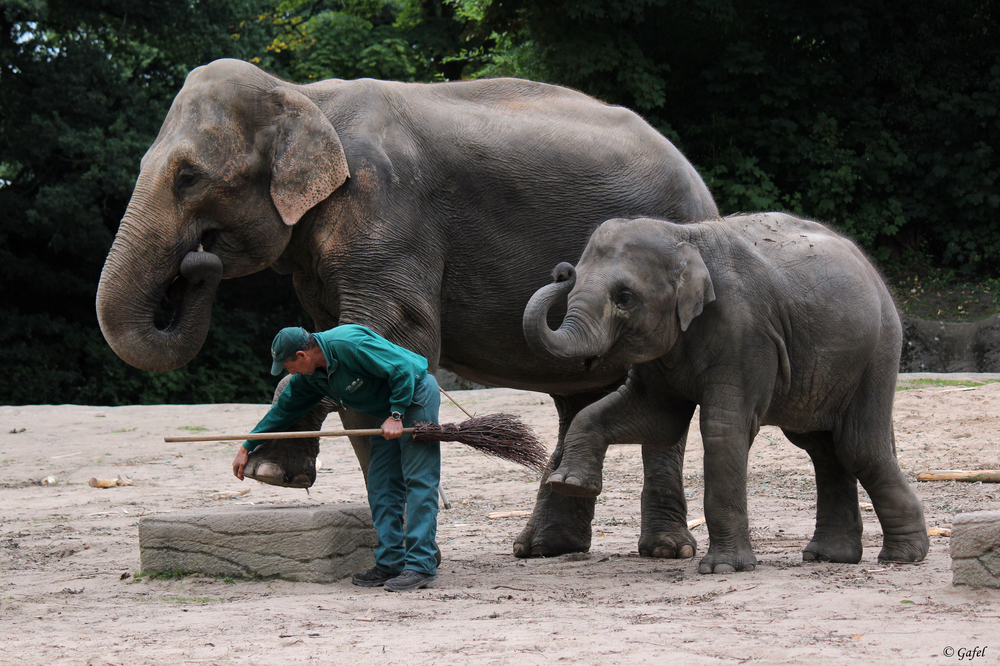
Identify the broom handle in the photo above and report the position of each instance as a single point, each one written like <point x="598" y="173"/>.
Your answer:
<point x="296" y="435"/>
<point x="453" y="402"/>
<point x="220" y="437"/>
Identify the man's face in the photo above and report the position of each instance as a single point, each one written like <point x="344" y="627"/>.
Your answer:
<point x="300" y="363"/>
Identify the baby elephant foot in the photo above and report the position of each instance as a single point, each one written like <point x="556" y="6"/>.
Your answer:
<point x="727" y="561"/>
<point x="674" y="545"/>
<point x="905" y="548"/>
<point x="575" y="482"/>
<point x="834" y="548"/>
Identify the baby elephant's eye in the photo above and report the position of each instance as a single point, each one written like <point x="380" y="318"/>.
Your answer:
<point x="624" y="298"/>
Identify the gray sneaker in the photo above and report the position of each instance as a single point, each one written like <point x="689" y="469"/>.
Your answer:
<point x="411" y="580"/>
<point x="374" y="577"/>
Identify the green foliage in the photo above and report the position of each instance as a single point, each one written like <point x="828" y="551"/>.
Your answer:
<point x="942" y="294"/>
<point x="908" y="384"/>
<point x="877" y="117"/>
<point x="52" y="361"/>
<point x="84" y="87"/>
<point x="401" y="40"/>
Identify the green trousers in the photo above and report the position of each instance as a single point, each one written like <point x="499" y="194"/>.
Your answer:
<point x="403" y="480"/>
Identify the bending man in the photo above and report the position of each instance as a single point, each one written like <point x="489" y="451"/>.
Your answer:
<point x="366" y="372"/>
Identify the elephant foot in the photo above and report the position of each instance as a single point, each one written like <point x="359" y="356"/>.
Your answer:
<point x="680" y="544"/>
<point x="719" y="561"/>
<point x="273" y="475"/>
<point x="575" y="482"/>
<point x="532" y="542"/>
<point x="558" y="525"/>
<point x="905" y="548"/>
<point x="845" y="548"/>
<point x="284" y="465"/>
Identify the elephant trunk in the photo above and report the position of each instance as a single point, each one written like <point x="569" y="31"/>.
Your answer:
<point x="577" y="337"/>
<point x="139" y="273"/>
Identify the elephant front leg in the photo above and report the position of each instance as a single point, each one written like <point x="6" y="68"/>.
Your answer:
<point x="726" y="447"/>
<point x="559" y="524"/>
<point x="664" y="508"/>
<point x="290" y="463"/>
<point x="579" y="470"/>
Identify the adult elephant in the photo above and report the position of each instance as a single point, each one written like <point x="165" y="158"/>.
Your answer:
<point x="427" y="212"/>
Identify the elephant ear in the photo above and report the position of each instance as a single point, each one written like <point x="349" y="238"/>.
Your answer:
<point x="308" y="162"/>
<point x="694" y="285"/>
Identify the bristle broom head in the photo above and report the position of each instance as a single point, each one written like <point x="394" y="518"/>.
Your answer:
<point x="500" y="435"/>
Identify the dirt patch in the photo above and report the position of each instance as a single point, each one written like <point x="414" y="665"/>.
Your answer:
<point x="69" y="593"/>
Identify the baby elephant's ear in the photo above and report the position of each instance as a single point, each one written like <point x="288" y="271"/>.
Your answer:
<point x="694" y="285"/>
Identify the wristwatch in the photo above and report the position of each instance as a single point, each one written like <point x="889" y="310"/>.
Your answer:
<point x="396" y="416"/>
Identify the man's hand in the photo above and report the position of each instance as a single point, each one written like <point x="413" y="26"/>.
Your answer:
<point x="240" y="461"/>
<point x="392" y="429"/>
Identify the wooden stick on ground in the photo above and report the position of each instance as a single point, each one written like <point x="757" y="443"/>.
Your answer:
<point x="111" y="483"/>
<point x="507" y="514"/>
<point x="972" y="476"/>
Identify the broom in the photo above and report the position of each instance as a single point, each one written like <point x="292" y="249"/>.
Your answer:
<point x="501" y="435"/>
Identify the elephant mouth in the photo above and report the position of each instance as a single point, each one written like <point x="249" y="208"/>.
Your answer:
<point x="611" y="354"/>
<point x="173" y="303"/>
<point x="169" y="306"/>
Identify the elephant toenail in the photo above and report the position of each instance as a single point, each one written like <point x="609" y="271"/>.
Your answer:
<point x="270" y="470"/>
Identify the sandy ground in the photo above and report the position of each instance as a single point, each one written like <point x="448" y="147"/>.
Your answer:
<point x="69" y="555"/>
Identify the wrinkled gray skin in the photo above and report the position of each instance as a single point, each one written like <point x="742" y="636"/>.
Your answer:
<point x="428" y="213"/>
<point x="761" y="320"/>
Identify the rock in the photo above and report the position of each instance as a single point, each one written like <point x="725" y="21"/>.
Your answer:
<point x="940" y="346"/>
<point x="317" y="544"/>
<point x="975" y="549"/>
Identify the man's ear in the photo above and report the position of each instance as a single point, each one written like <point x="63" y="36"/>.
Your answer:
<point x="694" y="285"/>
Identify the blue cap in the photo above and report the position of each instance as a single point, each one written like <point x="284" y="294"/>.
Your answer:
<point x="286" y="343"/>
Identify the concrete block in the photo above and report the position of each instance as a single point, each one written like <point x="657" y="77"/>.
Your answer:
<point x="975" y="549"/>
<point x="316" y="544"/>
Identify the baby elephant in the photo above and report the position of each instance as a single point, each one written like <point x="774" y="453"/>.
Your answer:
<point x="761" y="320"/>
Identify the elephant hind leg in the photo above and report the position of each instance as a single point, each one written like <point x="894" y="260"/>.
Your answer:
<point x="838" y="519"/>
<point x="866" y="446"/>
<point x="900" y="514"/>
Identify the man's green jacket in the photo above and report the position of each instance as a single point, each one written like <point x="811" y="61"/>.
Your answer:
<point x="363" y="371"/>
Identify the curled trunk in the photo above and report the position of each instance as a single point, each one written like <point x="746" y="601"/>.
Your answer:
<point x="577" y="337"/>
<point x="137" y="276"/>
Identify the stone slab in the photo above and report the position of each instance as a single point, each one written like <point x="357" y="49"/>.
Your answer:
<point x="316" y="544"/>
<point x="975" y="549"/>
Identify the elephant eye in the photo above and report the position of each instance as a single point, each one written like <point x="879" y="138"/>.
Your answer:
<point x="624" y="298"/>
<point x="186" y="177"/>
